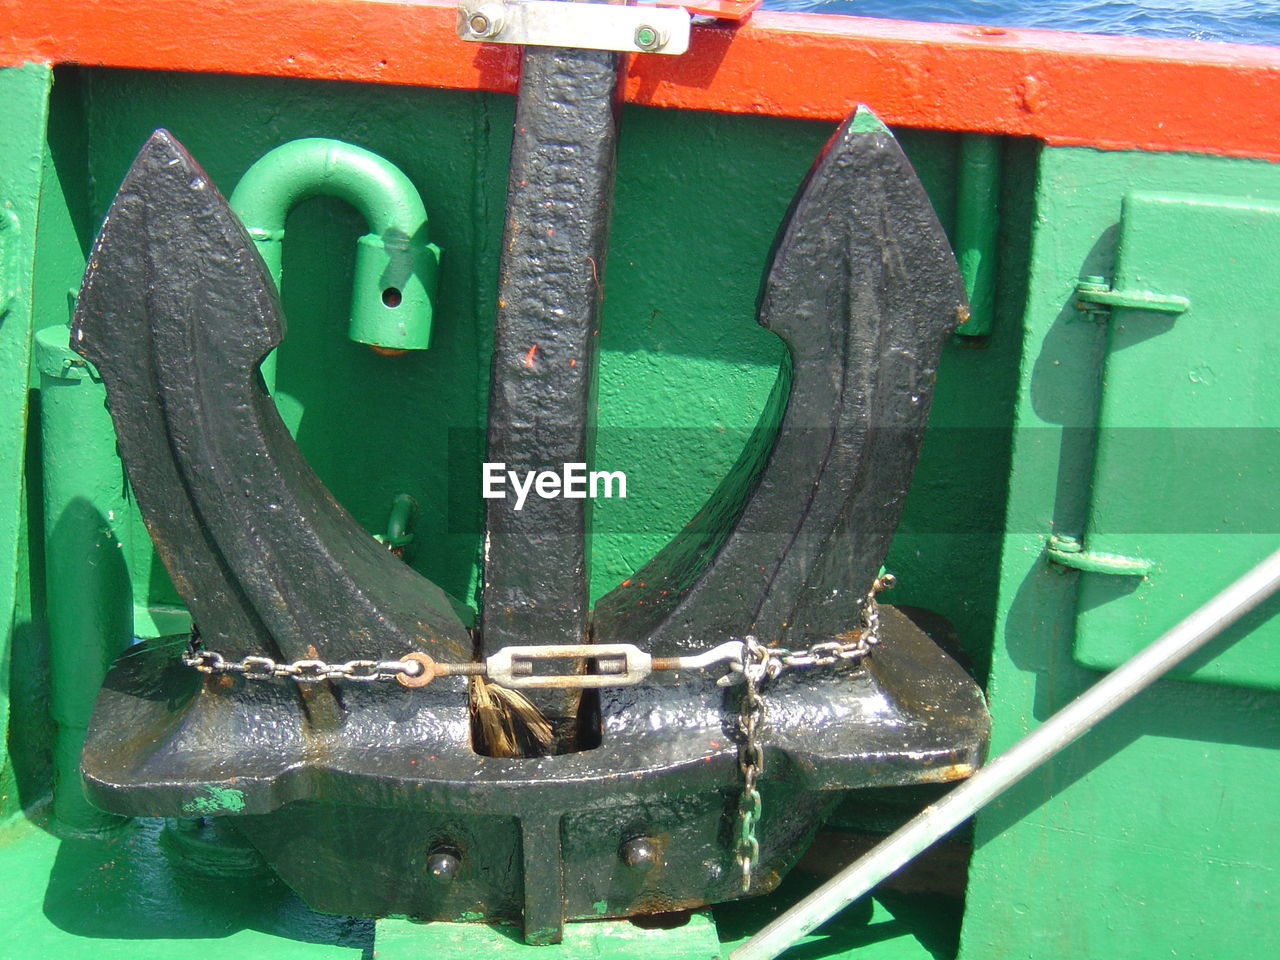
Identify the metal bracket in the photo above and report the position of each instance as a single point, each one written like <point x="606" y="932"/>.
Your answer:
<point x="584" y="26"/>
<point x="1070" y="552"/>
<point x="10" y="234"/>
<point x="1095" y="296"/>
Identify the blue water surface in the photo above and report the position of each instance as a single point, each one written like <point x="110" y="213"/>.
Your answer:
<point x="1235" y="21"/>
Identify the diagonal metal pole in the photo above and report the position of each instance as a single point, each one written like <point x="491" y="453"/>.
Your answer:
<point x="1060" y="730"/>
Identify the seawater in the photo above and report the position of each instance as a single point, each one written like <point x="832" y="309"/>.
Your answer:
<point x="1233" y="21"/>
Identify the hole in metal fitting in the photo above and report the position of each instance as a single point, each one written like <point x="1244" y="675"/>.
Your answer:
<point x="391" y="296"/>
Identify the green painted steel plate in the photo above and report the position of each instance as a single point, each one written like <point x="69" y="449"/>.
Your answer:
<point x="1188" y="446"/>
<point x="594" y="940"/>
<point x="123" y="897"/>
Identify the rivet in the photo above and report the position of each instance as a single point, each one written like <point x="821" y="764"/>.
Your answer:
<point x="443" y="865"/>
<point x="485" y="22"/>
<point x="640" y="854"/>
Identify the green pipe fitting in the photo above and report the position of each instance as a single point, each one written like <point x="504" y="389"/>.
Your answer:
<point x="977" y="228"/>
<point x="403" y="507"/>
<point x="396" y="266"/>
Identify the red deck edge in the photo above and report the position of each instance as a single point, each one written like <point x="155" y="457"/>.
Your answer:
<point x="1113" y="93"/>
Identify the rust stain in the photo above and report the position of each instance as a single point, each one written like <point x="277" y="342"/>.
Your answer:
<point x="954" y="771"/>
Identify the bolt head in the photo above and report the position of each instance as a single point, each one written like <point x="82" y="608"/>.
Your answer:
<point x="648" y="38"/>
<point x="484" y="22"/>
<point x="443" y="865"/>
<point x="640" y="854"/>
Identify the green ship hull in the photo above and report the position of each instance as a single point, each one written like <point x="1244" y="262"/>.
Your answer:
<point x="1067" y="408"/>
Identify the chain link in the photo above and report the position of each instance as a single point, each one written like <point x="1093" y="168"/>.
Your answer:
<point x="512" y="666"/>
<point x="300" y="671"/>
<point x="760" y="664"/>
<point x="756" y="662"/>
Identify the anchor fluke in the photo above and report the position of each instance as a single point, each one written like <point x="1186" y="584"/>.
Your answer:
<point x="177" y="311"/>
<point x="864" y="290"/>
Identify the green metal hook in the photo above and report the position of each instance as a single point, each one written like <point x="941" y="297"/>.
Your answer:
<point x="396" y="265"/>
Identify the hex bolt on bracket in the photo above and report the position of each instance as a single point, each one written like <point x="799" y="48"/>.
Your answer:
<point x="327" y="779"/>
<point x="574" y="25"/>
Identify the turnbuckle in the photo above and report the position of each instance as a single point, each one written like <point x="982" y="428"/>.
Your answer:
<point x="603" y="665"/>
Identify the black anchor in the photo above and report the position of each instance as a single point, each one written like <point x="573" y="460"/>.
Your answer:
<point x="368" y="798"/>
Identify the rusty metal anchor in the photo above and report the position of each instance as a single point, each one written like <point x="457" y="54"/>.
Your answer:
<point x="368" y="797"/>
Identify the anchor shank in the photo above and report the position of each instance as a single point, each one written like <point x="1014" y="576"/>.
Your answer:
<point x="541" y="401"/>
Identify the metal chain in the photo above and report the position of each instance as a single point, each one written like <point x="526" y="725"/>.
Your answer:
<point x="301" y="671"/>
<point x="756" y="662"/>
<point x="760" y="664"/>
<point x="616" y="664"/>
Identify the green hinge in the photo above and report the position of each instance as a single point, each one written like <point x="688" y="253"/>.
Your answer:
<point x="1094" y="295"/>
<point x="1070" y="552"/>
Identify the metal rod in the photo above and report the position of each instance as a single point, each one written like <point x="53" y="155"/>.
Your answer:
<point x="977" y="228"/>
<point x="1060" y="730"/>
